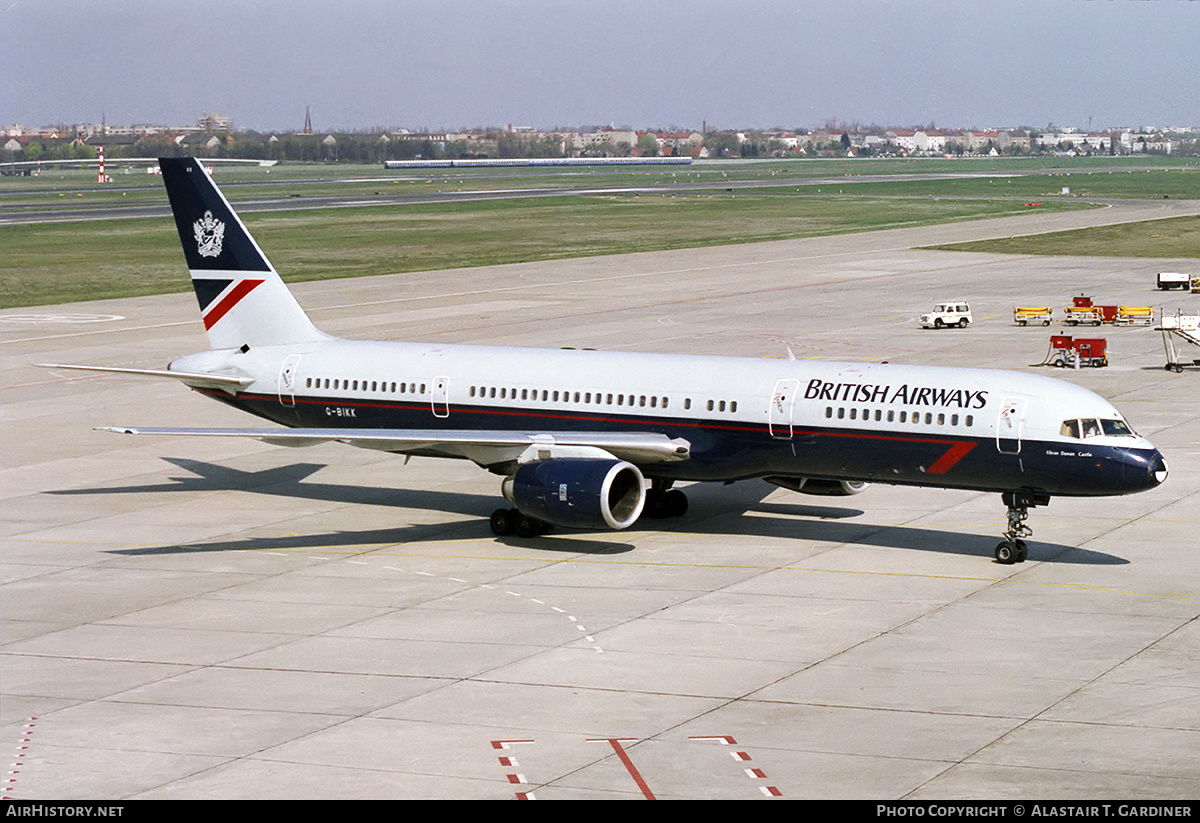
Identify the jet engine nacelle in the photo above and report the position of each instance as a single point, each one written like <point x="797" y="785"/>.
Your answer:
<point x="585" y="493"/>
<point x="829" y="488"/>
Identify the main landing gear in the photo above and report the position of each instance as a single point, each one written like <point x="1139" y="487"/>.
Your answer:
<point x="1012" y="549"/>
<point x="505" y="522"/>
<point x="663" y="501"/>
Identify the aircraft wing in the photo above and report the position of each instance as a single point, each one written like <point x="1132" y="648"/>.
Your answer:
<point x="484" y="447"/>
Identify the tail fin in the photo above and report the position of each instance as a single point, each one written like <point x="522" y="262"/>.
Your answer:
<point x="243" y="301"/>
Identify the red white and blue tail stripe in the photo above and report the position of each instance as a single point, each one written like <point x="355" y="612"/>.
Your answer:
<point x="243" y="301"/>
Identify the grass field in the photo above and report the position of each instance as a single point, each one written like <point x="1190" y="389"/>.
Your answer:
<point x="980" y="176"/>
<point x="1173" y="237"/>
<point x="68" y="262"/>
<point x="1153" y="184"/>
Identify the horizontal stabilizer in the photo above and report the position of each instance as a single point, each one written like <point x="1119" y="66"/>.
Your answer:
<point x="228" y="382"/>
<point x="484" y="447"/>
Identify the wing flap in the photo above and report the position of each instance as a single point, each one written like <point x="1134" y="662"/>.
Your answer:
<point x="485" y="447"/>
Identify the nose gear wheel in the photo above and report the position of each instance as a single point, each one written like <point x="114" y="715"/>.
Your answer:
<point x="1013" y="548"/>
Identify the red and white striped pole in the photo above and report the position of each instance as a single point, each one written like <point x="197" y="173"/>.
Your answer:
<point x="102" y="177"/>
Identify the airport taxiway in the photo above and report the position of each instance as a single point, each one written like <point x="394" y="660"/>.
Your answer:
<point x="198" y="618"/>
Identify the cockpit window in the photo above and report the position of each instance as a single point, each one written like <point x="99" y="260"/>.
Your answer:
<point x="1090" y="427"/>
<point x="1116" y="427"/>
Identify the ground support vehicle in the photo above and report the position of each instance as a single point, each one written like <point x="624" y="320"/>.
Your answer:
<point x="1024" y="315"/>
<point x="1134" y="315"/>
<point x="1173" y="280"/>
<point x="1082" y="315"/>
<point x="950" y="313"/>
<point x="1083" y="310"/>
<point x="1076" y="352"/>
<point x="1184" y="328"/>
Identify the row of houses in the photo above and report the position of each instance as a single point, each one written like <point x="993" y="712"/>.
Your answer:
<point x="214" y="134"/>
<point x="939" y="141"/>
<point x="898" y="141"/>
<point x="199" y="142"/>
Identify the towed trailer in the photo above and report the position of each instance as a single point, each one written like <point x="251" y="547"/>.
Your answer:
<point x="1184" y="327"/>
<point x="1083" y="311"/>
<point x="1024" y="315"/>
<point x="1134" y="315"/>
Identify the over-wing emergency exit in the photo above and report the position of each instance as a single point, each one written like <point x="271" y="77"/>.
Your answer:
<point x="595" y="440"/>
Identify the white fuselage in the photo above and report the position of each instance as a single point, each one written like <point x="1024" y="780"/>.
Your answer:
<point x="951" y="427"/>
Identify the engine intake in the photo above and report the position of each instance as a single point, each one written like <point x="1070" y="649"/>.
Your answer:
<point x="587" y="493"/>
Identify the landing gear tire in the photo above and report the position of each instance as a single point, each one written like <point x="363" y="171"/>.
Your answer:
<point x="1011" y="551"/>
<point x="662" y="503"/>
<point x="507" y="522"/>
<point x="677" y="503"/>
<point x="504" y="522"/>
<point x="530" y="526"/>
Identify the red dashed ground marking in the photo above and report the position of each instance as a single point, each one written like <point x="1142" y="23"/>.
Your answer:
<point x="10" y="781"/>
<point x="752" y="773"/>
<point x="509" y="762"/>
<point x="514" y="777"/>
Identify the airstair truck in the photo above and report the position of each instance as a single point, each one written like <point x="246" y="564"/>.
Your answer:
<point x="1184" y="328"/>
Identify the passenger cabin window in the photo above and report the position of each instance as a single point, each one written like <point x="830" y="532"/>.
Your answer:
<point x="892" y="416"/>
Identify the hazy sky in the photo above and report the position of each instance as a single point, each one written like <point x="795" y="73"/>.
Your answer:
<point x="447" y="64"/>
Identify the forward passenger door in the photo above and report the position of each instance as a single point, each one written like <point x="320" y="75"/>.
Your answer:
<point x="779" y="413"/>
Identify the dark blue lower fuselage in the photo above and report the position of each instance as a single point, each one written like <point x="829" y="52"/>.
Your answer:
<point x="732" y="450"/>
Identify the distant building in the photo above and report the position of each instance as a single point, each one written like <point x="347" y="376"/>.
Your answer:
<point x="202" y="144"/>
<point x="606" y="137"/>
<point x="678" y="143"/>
<point x="215" y="123"/>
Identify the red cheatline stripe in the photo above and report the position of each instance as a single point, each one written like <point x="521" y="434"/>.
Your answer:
<point x="230" y="300"/>
<point x="948" y="460"/>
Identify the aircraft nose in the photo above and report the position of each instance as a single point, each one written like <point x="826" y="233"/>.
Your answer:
<point x="1147" y="469"/>
<point x="1158" y="468"/>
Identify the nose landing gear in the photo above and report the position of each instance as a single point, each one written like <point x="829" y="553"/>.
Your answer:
<point x="1013" y="549"/>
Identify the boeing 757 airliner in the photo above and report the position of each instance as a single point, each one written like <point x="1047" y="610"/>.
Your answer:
<point x="594" y="440"/>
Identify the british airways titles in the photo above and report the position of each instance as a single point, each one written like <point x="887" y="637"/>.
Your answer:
<point x="905" y="395"/>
